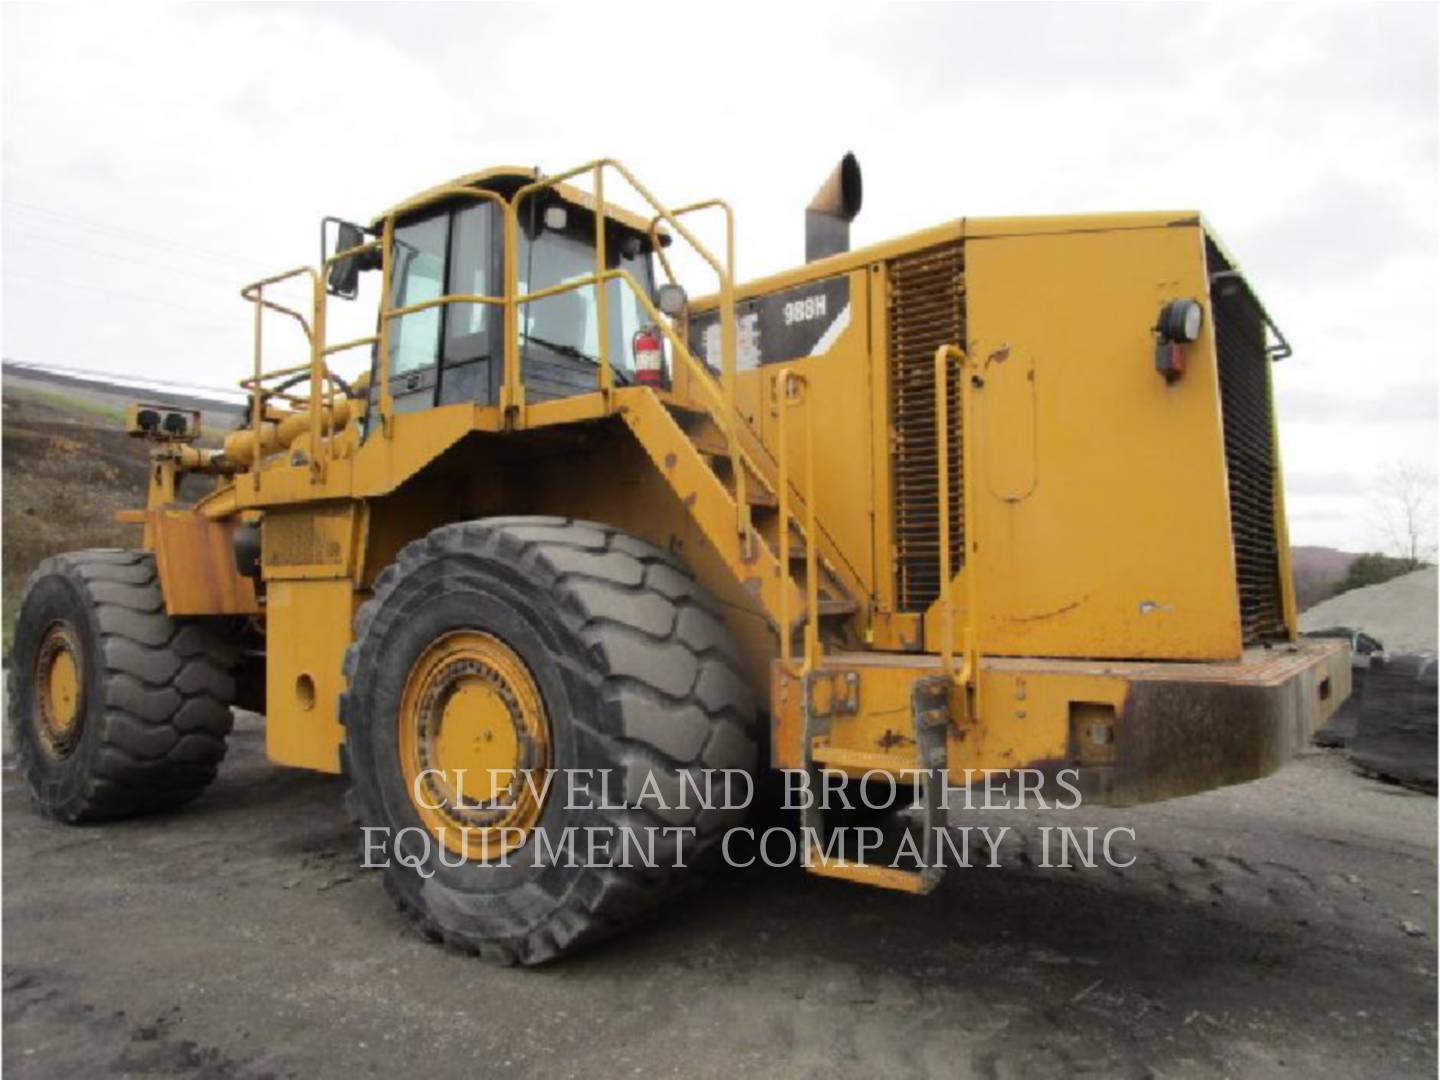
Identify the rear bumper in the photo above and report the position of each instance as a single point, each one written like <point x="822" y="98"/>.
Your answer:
<point x="1186" y="728"/>
<point x="1123" y="732"/>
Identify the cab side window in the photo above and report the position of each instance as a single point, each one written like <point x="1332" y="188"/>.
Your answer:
<point x="473" y="269"/>
<point x="418" y="276"/>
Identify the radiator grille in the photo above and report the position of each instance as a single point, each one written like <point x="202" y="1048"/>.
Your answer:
<point x="1246" y="405"/>
<point x="926" y="310"/>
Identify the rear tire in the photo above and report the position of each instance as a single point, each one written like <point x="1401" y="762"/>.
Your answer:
<point x="143" y="727"/>
<point x="638" y="676"/>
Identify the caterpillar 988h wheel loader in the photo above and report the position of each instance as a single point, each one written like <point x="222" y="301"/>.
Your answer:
<point x="1003" y="494"/>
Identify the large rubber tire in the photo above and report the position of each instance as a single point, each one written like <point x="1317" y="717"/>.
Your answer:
<point x="155" y="701"/>
<point x="638" y="675"/>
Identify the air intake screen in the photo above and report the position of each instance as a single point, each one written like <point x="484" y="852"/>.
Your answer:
<point x="926" y="310"/>
<point x="1249" y="452"/>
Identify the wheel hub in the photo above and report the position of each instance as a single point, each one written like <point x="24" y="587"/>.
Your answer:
<point x="59" y="712"/>
<point x="474" y="744"/>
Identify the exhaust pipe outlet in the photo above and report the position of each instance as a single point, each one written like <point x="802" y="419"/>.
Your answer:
<point x="828" y="217"/>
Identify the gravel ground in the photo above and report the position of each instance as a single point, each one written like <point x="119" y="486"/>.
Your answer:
<point x="1401" y="612"/>
<point x="1282" y="928"/>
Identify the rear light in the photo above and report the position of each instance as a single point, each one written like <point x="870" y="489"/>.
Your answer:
<point x="1179" y="324"/>
<point x="649" y="357"/>
<point x="1169" y="360"/>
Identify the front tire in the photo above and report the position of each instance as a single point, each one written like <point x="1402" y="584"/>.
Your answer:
<point x="596" y="651"/>
<point x="114" y="707"/>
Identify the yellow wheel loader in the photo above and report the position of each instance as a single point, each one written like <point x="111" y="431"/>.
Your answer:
<point x="999" y="496"/>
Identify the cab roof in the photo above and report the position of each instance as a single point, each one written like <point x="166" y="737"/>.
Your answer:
<point x="506" y="180"/>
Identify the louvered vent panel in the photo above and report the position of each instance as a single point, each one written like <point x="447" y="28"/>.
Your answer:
<point x="927" y="310"/>
<point x="1249" y="453"/>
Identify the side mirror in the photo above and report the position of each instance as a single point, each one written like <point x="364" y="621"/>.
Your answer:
<point x="343" y="280"/>
<point x="671" y="300"/>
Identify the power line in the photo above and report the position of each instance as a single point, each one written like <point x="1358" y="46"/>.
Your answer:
<point x="20" y="367"/>
<point x="102" y="253"/>
<point x="23" y="279"/>
<point x="144" y="239"/>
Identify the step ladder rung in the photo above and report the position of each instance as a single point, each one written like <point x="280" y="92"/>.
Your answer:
<point x="710" y="442"/>
<point x="884" y="877"/>
<point x="841" y="757"/>
<point x="756" y="495"/>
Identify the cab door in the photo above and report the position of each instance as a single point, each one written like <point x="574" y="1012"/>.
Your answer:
<point x="419" y="275"/>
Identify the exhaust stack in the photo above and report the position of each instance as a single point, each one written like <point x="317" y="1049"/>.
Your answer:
<point x="828" y="217"/>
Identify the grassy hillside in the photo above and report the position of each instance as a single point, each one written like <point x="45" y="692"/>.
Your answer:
<point x="68" y="466"/>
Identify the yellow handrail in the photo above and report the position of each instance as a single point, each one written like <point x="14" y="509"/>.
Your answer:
<point x="255" y="293"/>
<point x="730" y="418"/>
<point x="791" y="389"/>
<point x="970" y="671"/>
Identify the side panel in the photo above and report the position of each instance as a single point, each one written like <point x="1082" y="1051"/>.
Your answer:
<point x="307" y="630"/>
<point x="308" y="556"/>
<point x="1101" y="501"/>
<point x="195" y="558"/>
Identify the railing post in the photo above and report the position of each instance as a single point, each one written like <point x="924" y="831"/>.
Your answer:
<point x="317" y="389"/>
<point x="512" y="394"/>
<point x="942" y="467"/>
<point x="382" y="359"/>
<point x="257" y="397"/>
<point x="728" y="373"/>
<point x="969" y="478"/>
<point x="779" y="386"/>
<point x="812" y="540"/>
<point x="790" y="390"/>
<point x="602" y="313"/>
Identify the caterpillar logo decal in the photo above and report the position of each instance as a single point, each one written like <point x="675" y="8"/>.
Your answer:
<point x="804" y="321"/>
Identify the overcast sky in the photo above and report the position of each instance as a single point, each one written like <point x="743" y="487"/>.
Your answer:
<point x="156" y="158"/>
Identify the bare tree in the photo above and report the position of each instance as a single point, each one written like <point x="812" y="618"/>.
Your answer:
<point x="1405" y="502"/>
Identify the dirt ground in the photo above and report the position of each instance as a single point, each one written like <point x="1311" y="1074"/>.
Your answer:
<point x="67" y="471"/>
<point x="69" y="466"/>
<point x="1283" y="928"/>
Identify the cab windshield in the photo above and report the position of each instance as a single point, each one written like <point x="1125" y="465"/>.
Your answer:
<point x="568" y="323"/>
<point x="455" y="352"/>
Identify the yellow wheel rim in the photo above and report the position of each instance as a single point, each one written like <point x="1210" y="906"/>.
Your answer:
<point x="59" y="689"/>
<point x="474" y="745"/>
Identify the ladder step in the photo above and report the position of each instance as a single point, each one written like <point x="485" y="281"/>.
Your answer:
<point x="710" y="442"/>
<point x="685" y="413"/>
<point x="884" y="877"/>
<point x="838" y="607"/>
<point x="756" y="495"/>
<point x="840" y="757"/>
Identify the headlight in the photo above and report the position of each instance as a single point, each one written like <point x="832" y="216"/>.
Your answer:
<point x="1180" y="321"/>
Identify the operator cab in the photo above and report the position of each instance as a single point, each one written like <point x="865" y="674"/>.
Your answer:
<point x="455" y="352"/>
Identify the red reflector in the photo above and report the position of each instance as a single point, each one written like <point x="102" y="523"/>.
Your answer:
<point x="1169" y="360"/>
